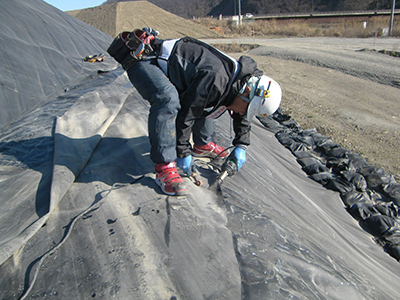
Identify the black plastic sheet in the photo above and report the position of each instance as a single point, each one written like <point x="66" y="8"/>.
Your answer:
<point x="81" y="216"/>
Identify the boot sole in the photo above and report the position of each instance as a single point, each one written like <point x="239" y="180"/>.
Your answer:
<point x="178" y="193"/>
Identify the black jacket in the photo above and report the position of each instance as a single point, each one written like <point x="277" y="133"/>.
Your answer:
<point x="204" y="79"/>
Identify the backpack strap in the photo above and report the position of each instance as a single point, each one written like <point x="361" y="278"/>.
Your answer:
<point x="164" y="54"/>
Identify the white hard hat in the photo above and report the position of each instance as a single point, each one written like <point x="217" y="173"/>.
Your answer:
<point x="265" y="96"/>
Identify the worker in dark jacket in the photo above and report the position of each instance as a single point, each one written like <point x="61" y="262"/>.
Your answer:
<point x="188" y="83"/>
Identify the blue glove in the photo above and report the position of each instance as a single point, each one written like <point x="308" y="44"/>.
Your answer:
<point x="186" y="164"/>
<point x="239" y="155"/>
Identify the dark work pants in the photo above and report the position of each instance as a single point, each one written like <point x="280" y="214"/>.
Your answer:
<point x="154" y="86"/>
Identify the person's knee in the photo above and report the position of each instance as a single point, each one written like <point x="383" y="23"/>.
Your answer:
<point x="166" y="99"/>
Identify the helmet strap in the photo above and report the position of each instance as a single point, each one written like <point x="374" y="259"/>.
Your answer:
<point x="244" y="98"/>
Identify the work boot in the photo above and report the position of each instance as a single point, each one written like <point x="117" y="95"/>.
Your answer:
<point x="169" y="179"/>
<point x="209" y="150"/>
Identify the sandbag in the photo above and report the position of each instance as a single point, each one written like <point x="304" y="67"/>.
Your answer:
<point x="354" y="197"/>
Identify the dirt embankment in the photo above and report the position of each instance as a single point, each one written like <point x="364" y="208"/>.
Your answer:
<point x="127" y="16"/>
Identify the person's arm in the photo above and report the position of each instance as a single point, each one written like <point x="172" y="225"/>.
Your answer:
<point x="242" y="139"/>
<point x="242" y="128"/>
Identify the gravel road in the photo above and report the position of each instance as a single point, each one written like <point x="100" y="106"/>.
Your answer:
<point x="343" y="87"/>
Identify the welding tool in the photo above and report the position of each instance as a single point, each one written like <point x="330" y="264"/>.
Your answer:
<point x="229" y="168"/>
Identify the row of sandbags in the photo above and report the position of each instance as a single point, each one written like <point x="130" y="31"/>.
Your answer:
<point x="370" y="194"/>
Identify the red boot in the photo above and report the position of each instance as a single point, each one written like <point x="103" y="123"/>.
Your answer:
<point x="169" y="179"/>
<point x="209" y="150"/>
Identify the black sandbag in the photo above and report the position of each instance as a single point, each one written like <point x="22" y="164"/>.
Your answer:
<point x="363" y="210"/>
<point x="353" y="197"/>
<point x="377" y="181"/>
<point x="280" y="116"/>
<point x="291" y="124"/>
<point x="302" y="153"/>
<point x="379" y="225"/>
<point x="339" y="165"/>
<point x="270" y="124"/>
<point x="392" y="190"/>
<point x="357" y="161"/>
<point x="394" y="250"/>
<point x="317" y="137"/>
<point x="305" y="137"/>
<point x="371" y="170"/>
<point x="386" y="177"/>
<point x="393" y="235"/>
<point x="286" y="141"/>
<point x="296" y="146"/>
<point x="339" y="152"/>
<point x="321" y="140"/>
<point x="376" y="177"/>
<point x="283" y="136"/>
<point x="389" y="210"/>
<point x="316" y="168"/>
<point x="376" y="197"/>
<point x="326" y="145"/>
<point x="340" y="185"/>
<point x="357" y="179"/>
<point x="290" y="144"/>
<point x="311" y="165"/>
<point x="323" y="178"/>
<point x="306" y="140"/>
<point x="309" y="132"/>
<point x="307" y="161"/>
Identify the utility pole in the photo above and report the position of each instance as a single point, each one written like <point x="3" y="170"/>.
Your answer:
<point x="240" y="13"/>
<point x="392" y="18"/>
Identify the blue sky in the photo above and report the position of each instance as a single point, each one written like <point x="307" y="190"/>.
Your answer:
<point x="65" y="5"/>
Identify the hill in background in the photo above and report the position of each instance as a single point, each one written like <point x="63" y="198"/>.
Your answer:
<point x="203" y="8"/>
<point x="127" y="16"/>
<point x="183" y="8"/>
